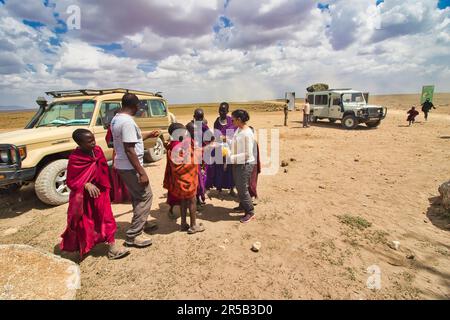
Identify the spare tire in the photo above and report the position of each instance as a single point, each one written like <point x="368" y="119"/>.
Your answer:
<point x="156" y="153"/>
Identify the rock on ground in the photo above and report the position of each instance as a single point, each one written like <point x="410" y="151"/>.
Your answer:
<point x="444" y="191"/>
<point x="27" y="273"/>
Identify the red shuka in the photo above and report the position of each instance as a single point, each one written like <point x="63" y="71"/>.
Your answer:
<point x="181" y="179"/>
<point x="89" y="221"/>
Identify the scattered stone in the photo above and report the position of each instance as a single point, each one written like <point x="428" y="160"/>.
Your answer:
<point x="10" y="231"/>
<point x="410" y="257"/>
<point x="322" y="187"/>
<point x="284" y="163"/>
<point x="426" y="221"/>
<point x="226" y="241"/>
<point x="395" y="245"/>
<point x="293" y="160"/>
<point x="444" y="191"/>
<point x="256" y="246"/>
<point x="356" y="160"/>
<point x="285" y="170"/>
<point x="31" y="274"/>
<point x="222" y="247"/>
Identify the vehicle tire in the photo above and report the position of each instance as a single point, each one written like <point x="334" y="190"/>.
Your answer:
<point x="156" y="153"/>
<point x="11" y="188"/>
<point x="332" y="120"/>
<point x="373" y="124"/>
<point x="349" y="122"/>
<point x="314" y="119"/>
<point x="50" y="185"/>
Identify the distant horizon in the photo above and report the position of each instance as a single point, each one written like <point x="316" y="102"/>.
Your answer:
<point x="23" y="108"/>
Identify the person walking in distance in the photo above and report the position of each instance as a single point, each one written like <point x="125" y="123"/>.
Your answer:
<point x="129" y="147"/>
<point x="286" y="112"/>
<point x="426" y="108"/>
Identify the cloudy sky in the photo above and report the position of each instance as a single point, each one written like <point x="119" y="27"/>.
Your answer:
<point x="208" y="50"/>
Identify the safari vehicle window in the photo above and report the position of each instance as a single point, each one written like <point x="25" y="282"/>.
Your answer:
<point x="152" y="108"/>
<point x="353" y="97"/>
<point x="107" y="112"/>
<point x="311" y="99"/>
<point x="336" y="101"/>
<point x="71" y="113"/>
<point x="321" y="100"/>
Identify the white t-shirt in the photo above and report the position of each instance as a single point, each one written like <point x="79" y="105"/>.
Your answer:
<point x="243" y="147"/>
<point x="307" y="108"/>
<point x="125" y="130"/>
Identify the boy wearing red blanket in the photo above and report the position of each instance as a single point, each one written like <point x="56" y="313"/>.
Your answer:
<point x="90" y="218"/>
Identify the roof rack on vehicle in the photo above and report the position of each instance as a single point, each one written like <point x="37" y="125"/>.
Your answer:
<point x="340" y="89"/>
<point x="93" y="92"/>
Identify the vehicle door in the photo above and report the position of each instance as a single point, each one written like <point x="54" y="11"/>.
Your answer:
<point x="321" y="105"/>
<point x="335" y="107"/>
<point x="108" y="110"/>
<point x="152" y="115"/>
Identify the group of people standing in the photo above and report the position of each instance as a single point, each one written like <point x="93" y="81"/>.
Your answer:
<point x="198" y="159"/>
<point x="306" y="113"/>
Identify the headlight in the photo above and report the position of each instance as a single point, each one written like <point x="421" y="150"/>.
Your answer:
<point x="4" y="156"/>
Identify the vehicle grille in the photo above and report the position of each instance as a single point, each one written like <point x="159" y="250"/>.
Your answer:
<point x="373" y="113"/>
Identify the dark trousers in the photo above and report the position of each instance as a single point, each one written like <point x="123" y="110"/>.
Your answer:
<point x="242" y="174"/>
<point x="141" y="198"/>
<point x="305" y="120"/>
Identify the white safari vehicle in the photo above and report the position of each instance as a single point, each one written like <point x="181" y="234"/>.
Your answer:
<point x="346" y="105"/>
<point x="39" y="152"/>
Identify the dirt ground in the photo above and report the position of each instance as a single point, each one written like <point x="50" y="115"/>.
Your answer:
<point x="346" y="195"/>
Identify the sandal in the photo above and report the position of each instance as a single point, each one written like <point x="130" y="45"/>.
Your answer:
<point x="195" y="229"/>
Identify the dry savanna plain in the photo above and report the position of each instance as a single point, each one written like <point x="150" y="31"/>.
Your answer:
<point x="325" y="222"/>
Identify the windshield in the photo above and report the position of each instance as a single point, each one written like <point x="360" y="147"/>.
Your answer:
<point x="70" y="113"/>
<point x="352" y="98"/>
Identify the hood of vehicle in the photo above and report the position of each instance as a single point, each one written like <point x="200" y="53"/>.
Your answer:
<point x="373" y="106"/>
<point x="37" y="135"/>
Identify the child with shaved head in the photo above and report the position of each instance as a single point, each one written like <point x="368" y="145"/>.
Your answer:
<point x="90" y="218"/>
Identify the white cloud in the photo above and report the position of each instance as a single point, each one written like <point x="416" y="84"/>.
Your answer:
<point x="261" y="48"/>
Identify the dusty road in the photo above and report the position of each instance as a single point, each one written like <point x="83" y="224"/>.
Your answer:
<point x="322" y="224"/>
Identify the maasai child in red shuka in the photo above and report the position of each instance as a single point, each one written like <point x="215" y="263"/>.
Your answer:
<point x="181" y="176"/>
<point x="119" y="192"/>
<point x="412" y="114"/>
<point x="90" y="218"/>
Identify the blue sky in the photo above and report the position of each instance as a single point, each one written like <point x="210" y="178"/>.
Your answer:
<point x="207" y="50"/>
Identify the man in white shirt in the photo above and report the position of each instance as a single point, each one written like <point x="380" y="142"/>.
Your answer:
<point x="306" y="113"/>
<point x="129" y="147"/>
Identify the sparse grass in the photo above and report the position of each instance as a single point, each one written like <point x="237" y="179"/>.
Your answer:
<point x="354" y="221"/>
<point x="378" y="236"/>
<point x="351" y="273"/>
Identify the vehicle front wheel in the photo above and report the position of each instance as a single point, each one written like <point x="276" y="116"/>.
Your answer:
<point x="156" y="153"/>
<point x="51" y="184"/>
<point x="373" y="124"/>
<point x="349" y="122"/>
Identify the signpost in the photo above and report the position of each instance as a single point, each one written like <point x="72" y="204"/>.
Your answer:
<point x="427" y="93"/>
<point x="291" y="97"/>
